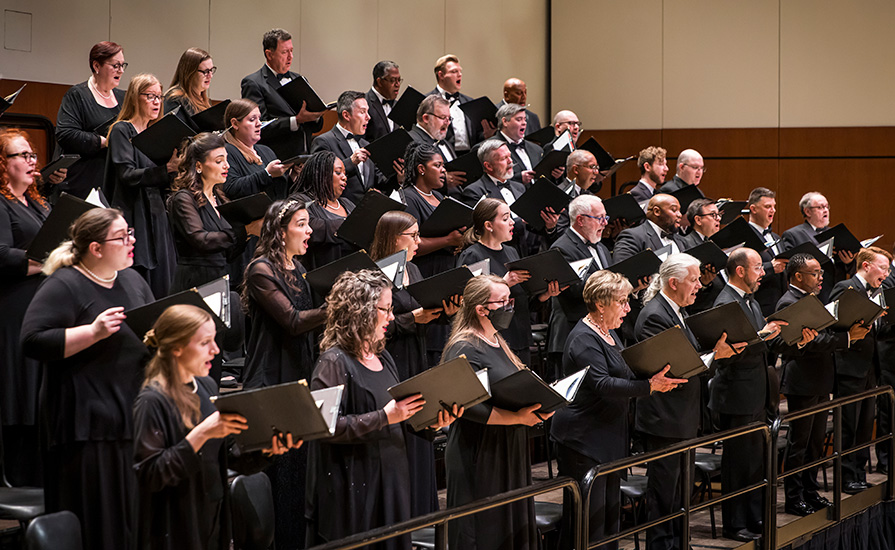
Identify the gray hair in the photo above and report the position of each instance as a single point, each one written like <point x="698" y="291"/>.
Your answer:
<point x="427" y="106"/>
<point x="488" y="147"/>
<point x="577" y="158"/>
<point x="506" y="111"/>
<point x="805" y="201"/>
<point x="582" y="204"/>
<point x="381" y="69"/>
<point x="675" y="266"/>
<point x="346" y="101"/>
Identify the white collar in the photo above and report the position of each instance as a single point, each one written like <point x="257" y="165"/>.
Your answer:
<point x="506" y="137"/>
<point x="380" y="96"/>
<point x="674" y="307"/>
<point x="344" y="131"/>
<point x="580" y="236"/>
<point x="427" y="132"/>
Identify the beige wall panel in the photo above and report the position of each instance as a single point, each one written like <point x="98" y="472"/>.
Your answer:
<point x="236" y="32"/>
<point x="837" y="63"/>
<point x="606" y="62"/>
<point x="62" y="34"/>
<point x="411" y="33"/>
<point x="338" y="45"/>
<point x="495" y="40"/>
<point x="155" y="34"/>
<point x="720" y="64"/>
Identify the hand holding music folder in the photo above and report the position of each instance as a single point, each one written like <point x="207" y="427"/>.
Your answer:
<point x="159" y="141"/>
<point x="544" y="267"/>
<point x="55" y="229"/>
<point x="245" y="210"/>
<point x="709" y="254"/>
<point x="213" y="297"/>
<point x="707" y="326"/>
<point x="469" y="164"/>
<point x="448" y="216"/>
<point x="63" y="162"/>
<point x="387" y="149"/>
<point x="669" y="347"/>
<point x="299" y="91"/>
<point x="524" y="388"/>
<point x="281" y="409"/>
<point x="639" y="266"/>
<point x="843" y="239"/>
<point x="360" y="225"/>
<point x="430" y="293"/>
<point x="403" y="113"/>
<point x="541" y="195"/>
<point x="852" y="306"/>
<point x="479" y="109"/>
<point x="551" y="161"/>
<point x="808" y="312"/>
<point x="730" y="210"/>
<point x="441" y="386"/>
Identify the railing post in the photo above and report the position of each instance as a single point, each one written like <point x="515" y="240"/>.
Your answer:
<point x="890" y="489"/>
<point x="441" y="536"/>
<point x="837" y="463"/>
<point x="687" y="494"/>
<point x="769" y="527"/>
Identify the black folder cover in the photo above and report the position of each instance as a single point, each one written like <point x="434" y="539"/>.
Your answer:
<point x="808" y="312"/>
<point x="624" y="207"/>
<point x="640" y="265"/>
<point x="525" y="388"/>
<point x="6" y="102"/>
<point x="245" y="210"/>
<point x="888" y="298"/>
<point x="300" y="90"/>
<point x="103" y="128"/>
<point x="55" y="229"/>
<point x="142" y="318"/>
<point x="551" y="161"/>
<point x="387" y="149"/>
<point x="454" y="381"/>
<point x="281" y="409"/>
<point x="63" y="161"/>
<point x="545" y="267"/>
<point x="738" y="232"/>
<point x="708" y="325"/>
<point x="805" y="248"/>
<point x="843" y="239"/>
<point x="211" y="119"/>
<point x="670" y="346"/>
<point x="393" y="266"/>
<point x="730" y="210"/>
<point x="159" y="140"/>
<point x="541" y="195"/>
<point x="708" y="253"/>
<point x="450" y="214"/>
<point x="543" y="136"/>
<point x="607" y="163"/>
<point x="479" y="109"/>
<point x="469" y="164"/>
<point x="852" y="306"/>
<point x="687" y="194"/>
<point x="404" y="110"/>
<point x="321" y="280"/>
<point x="429" y="293"/>
<point x="360" y="225"/>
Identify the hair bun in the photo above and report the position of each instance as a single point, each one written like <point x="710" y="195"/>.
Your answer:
<point x="150" y="339"/>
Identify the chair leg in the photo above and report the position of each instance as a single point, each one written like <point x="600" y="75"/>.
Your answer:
<point x="712" y="509"/>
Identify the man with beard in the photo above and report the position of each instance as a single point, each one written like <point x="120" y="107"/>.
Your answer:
<point x="433" y="118"/>
<point x="653" y="168"/>
<point x="515" y="91"/>
<point x="511" y="126"/>
<point x="381" y="98"/>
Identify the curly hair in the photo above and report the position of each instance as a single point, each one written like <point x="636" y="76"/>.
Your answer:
<point x="316" y="178"/>
<point x="6" y="137"/>
<point x="351" y="313"/>
<point x="195" y="152"/>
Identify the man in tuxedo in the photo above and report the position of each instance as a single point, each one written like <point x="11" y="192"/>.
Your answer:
<point x="808" y="381"/>
<point x="290" y="132"/>
<point x="815" y="210"/>
<point x="565" y="120"/>
<point x="462" y="134"/>
<point x="347" y="142"/>
<point x="705" y="221"/>
<point x="583" y="177"/>
<point x="511" y="129"/>
<point x="856" y="369"/>
<point x="690" y="169"/>
<point x="381" y="98"/>
<point x="433" y="118"/>
<point x="762" y="205"/>
<point x="739" y="395"/>
<point x="515" y="91"/>
<point x="653" y="168"/>
<point x="580" y="241"/>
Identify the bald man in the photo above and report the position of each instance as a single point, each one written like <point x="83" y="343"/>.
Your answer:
<point x="565" y="120"/>
<point x="690" y="169"/>
<point x="515" y="91"/>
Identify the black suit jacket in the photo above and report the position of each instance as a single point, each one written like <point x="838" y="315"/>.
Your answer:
<point x="637" y="239"/>
<point x="772" y="284"/>
<point x="705" y="298"/>
<point x="378" y="125"/>
<point x="532" y="121"/>
<point x="857" y="361"/>
<point x="472" y="192"/>
<point x="335" y="142"/>
<point x="833" y="272"/>
<point x="475" y="134"/>
<point x="641" y="193"/>
<point x="420" y="136"/>
<point x="673" y="185"/>
<point x="811" y="370"/>
<point x="261" y="87"/>
<point x="531" y="149"/>
<point x="675" y="413"/>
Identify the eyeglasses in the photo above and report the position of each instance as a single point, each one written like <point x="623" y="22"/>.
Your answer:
<point x="819" y="273"/>
<point x="447" y="118"/>
<point x="622" y="301"/>
<point x="118" y="66"/>
<point x="207" y="72"/>
<point x="604" y="219"/>
<point x="152" y="97"/>
<point x="27" y="155"/>
<point x="714" y="215"/>
<point x="415" y="235"/>
<point x="126" y="237"/>
<point x="387" y="310"/>
<point x="702" y="169"/>
<point x="820" y="207"/>
<point x="570" y="123"/>
<point x="393" y="80"/>
<point x="507" y="302"/>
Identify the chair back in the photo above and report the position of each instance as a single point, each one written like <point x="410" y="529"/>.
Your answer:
<point x="251" y="507"/>
<point x="57" y="531"/>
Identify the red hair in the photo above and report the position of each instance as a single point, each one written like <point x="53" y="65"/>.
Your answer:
<point x="6" y="137"/>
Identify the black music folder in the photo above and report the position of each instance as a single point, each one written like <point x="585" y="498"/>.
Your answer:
<point x="450" y="215"/>
<point x="541" y="195"/>
<point x="387" y="149"/>
<point x="64" y="161"/>
<point x="211" y="297"/>
<point x="322" y="279"/>
<point x="468" y="164"/>
<point x="544" y="267"/>
<point x="670" y="346"/>
<point x="245" y="210"/>
<point x="624" y="207"/>
<point x="843" y="239"/>
<point x="212" y="119"/>
<point x="550" y="161"/>
<point x="607" y="163"/>
<point x="393" y="266"/>
<point x="805" y="248"/>
<point x="453" y="381"/>
<point x="159" y="141"/>
<point x="852" y="306"/>
<point x="525" y="388"/>
<point x="281" y="409"/>
<point x="738" y="232"/>
<point x="808" y="312"/>
<point x="709" y="254"/>
<point x="297" y="160"/>
<point x="299" y="90"/>
<point x="542" y="137"/>
<point x="687" y="194"/>
<point x="6" y="102"/>
<point x="479" y="109"/>
<point x="639" y="266"/>
<point x="103" y="128"/>
<point x="708" y="325"/>
<point x="360" y="225"/>
<point x="431" y="292"/>
<point x="730" y="210"/>
<point x="403" y="113"/>
<point x="887" y="298"/>
<point x="55" y="229"/>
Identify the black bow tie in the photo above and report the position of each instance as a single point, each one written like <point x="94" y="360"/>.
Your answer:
<point x="282" y="76"/>
<point x="440" y="142"/>
<point x="350" y="136"/>
<point x="766" y="232"/>
<point x="748" y="297"/>
<point x="667" y="234"/>
<point x="519" y="145"/>
<point x="389" y="102"/>
<point x="593" y="245"/>
<point x="452" y="97"/>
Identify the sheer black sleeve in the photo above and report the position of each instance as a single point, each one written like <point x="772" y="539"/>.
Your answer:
<point x="185" y="220"/>
<point x="264" y="290"/>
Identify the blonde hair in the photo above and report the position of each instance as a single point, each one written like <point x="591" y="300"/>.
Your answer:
<point x="602" y="287"/>
<point x="90" y="227"/>
<point x="130" y="106"/>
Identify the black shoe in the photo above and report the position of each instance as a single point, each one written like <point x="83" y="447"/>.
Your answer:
<point x="743" y="535"/>
<point x="799" y="508"/>
<point x="882" y="469"/>
<point x="855" y="487"/>
<point x="818" y="502"/>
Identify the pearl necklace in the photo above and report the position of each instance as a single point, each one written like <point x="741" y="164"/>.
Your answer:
<point x="93" y="85"/>
<point x="495" y="342"/>
<point x="335" y="208"/>
<point x="421" y="192"/>
<point x="595" y="326"/>
<point x="97" y="277"/>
